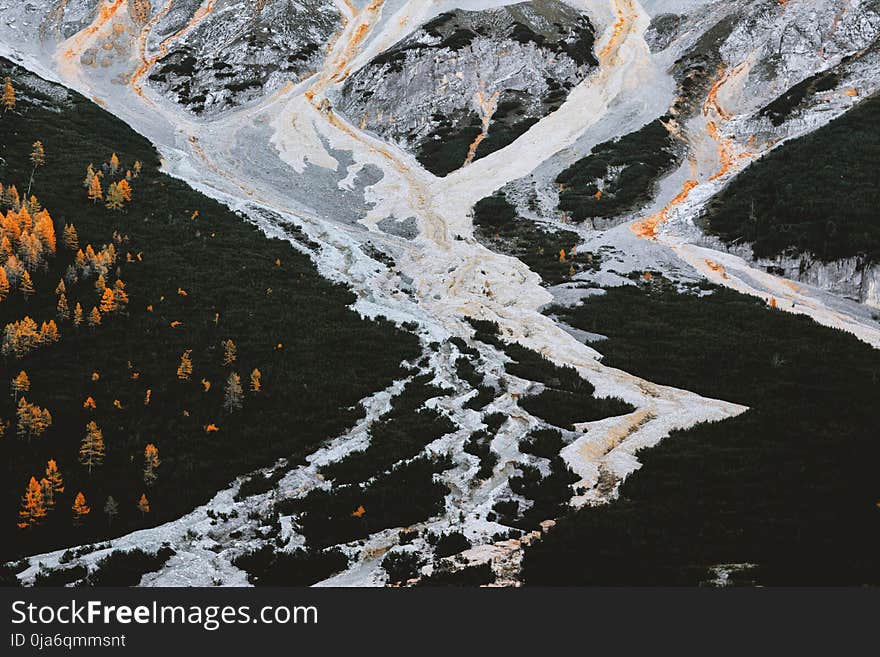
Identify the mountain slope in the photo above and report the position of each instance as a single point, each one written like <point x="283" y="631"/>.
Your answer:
<point x="185" y="293"/>
<point x="387" y="155"/>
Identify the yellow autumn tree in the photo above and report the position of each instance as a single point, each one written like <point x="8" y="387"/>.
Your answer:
<point x="124" y="190"/>
<point x="256" y="380"/>
<point x="33" y="421"/>
<point x="143" y="505"/>
<point x="5" y="245"/>
<point x="62" y="311"/>
<point x="91" y="448"/>
<point x="20" y="384"/>
<point x="20" y="337"/>
<point x="33" y="507"/>
<point x="151" y="464"/>
<point x="94" y="318"/>
<point x="230" y="352"/>
<point x="11" y="198"/>
<point x="80" y="509"/>
<point x="4" y="284"/>
<point x="108" y="301"/>
<point x="185" y="369"/>
<point x="90" y="173"/>
<point x="114" y="201"/>
<point x="49" y="332"/>
<point x="53" y="476"/>
<point x="120" y="294"/>
<point x="78" y="314"/>
<point x="70" y="237"/>
<point x="95" y="191"/>
<point x="114" y="163"/>
<point x="44" y="231"/>
<point x="26" y="286"/>
<point x="38" y="155"/>
<point x="8" y="98"/>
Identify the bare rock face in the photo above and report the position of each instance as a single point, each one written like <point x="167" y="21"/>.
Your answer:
<point x="243" y="50"/>
<point x="470" y="82"/>
<point x="70" y="17"/>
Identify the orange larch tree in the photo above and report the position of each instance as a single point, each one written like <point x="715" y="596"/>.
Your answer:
<point x="185" y="369"/>
<point x="90" y="173"/>
<point x="151" y="464"/>
<point x="20" y="384"/>
<point x="4" y="284"/>
<point x="120" y="294"/>
<point x="91" y="448"/>
<point x="49" y="332"/>
<point x="108" y="301"/>
<point x="115" y="200"/>
<point x="44" y="230"/>
<point x="143" y="505"/>
<point x="95" y="191"/>
<point x="94" y="318"/>
<point x="70" y="238"/>
<point x="229" y="352"/>
<point x="62" y="311"/>
<point x="8" y="98"/>
<point x="53" y="476"/>
<point x="124" y="190"/>
<point x="80" y="509"/>
<point x="20" y="337"/>
<point x="33" y="421"/>
<point x="26" y="286"/>
<point x="33" y="507"/>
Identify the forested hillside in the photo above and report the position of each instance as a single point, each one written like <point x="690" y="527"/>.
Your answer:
<point x="155" y="345"/>
<point x="788" y="488"/>
<point x="817" y="194"/>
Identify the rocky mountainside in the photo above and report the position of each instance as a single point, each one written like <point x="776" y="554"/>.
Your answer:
<point x="241" y="51"/>
<point x="604" y="221"/>
<point x="468" y="83"/>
